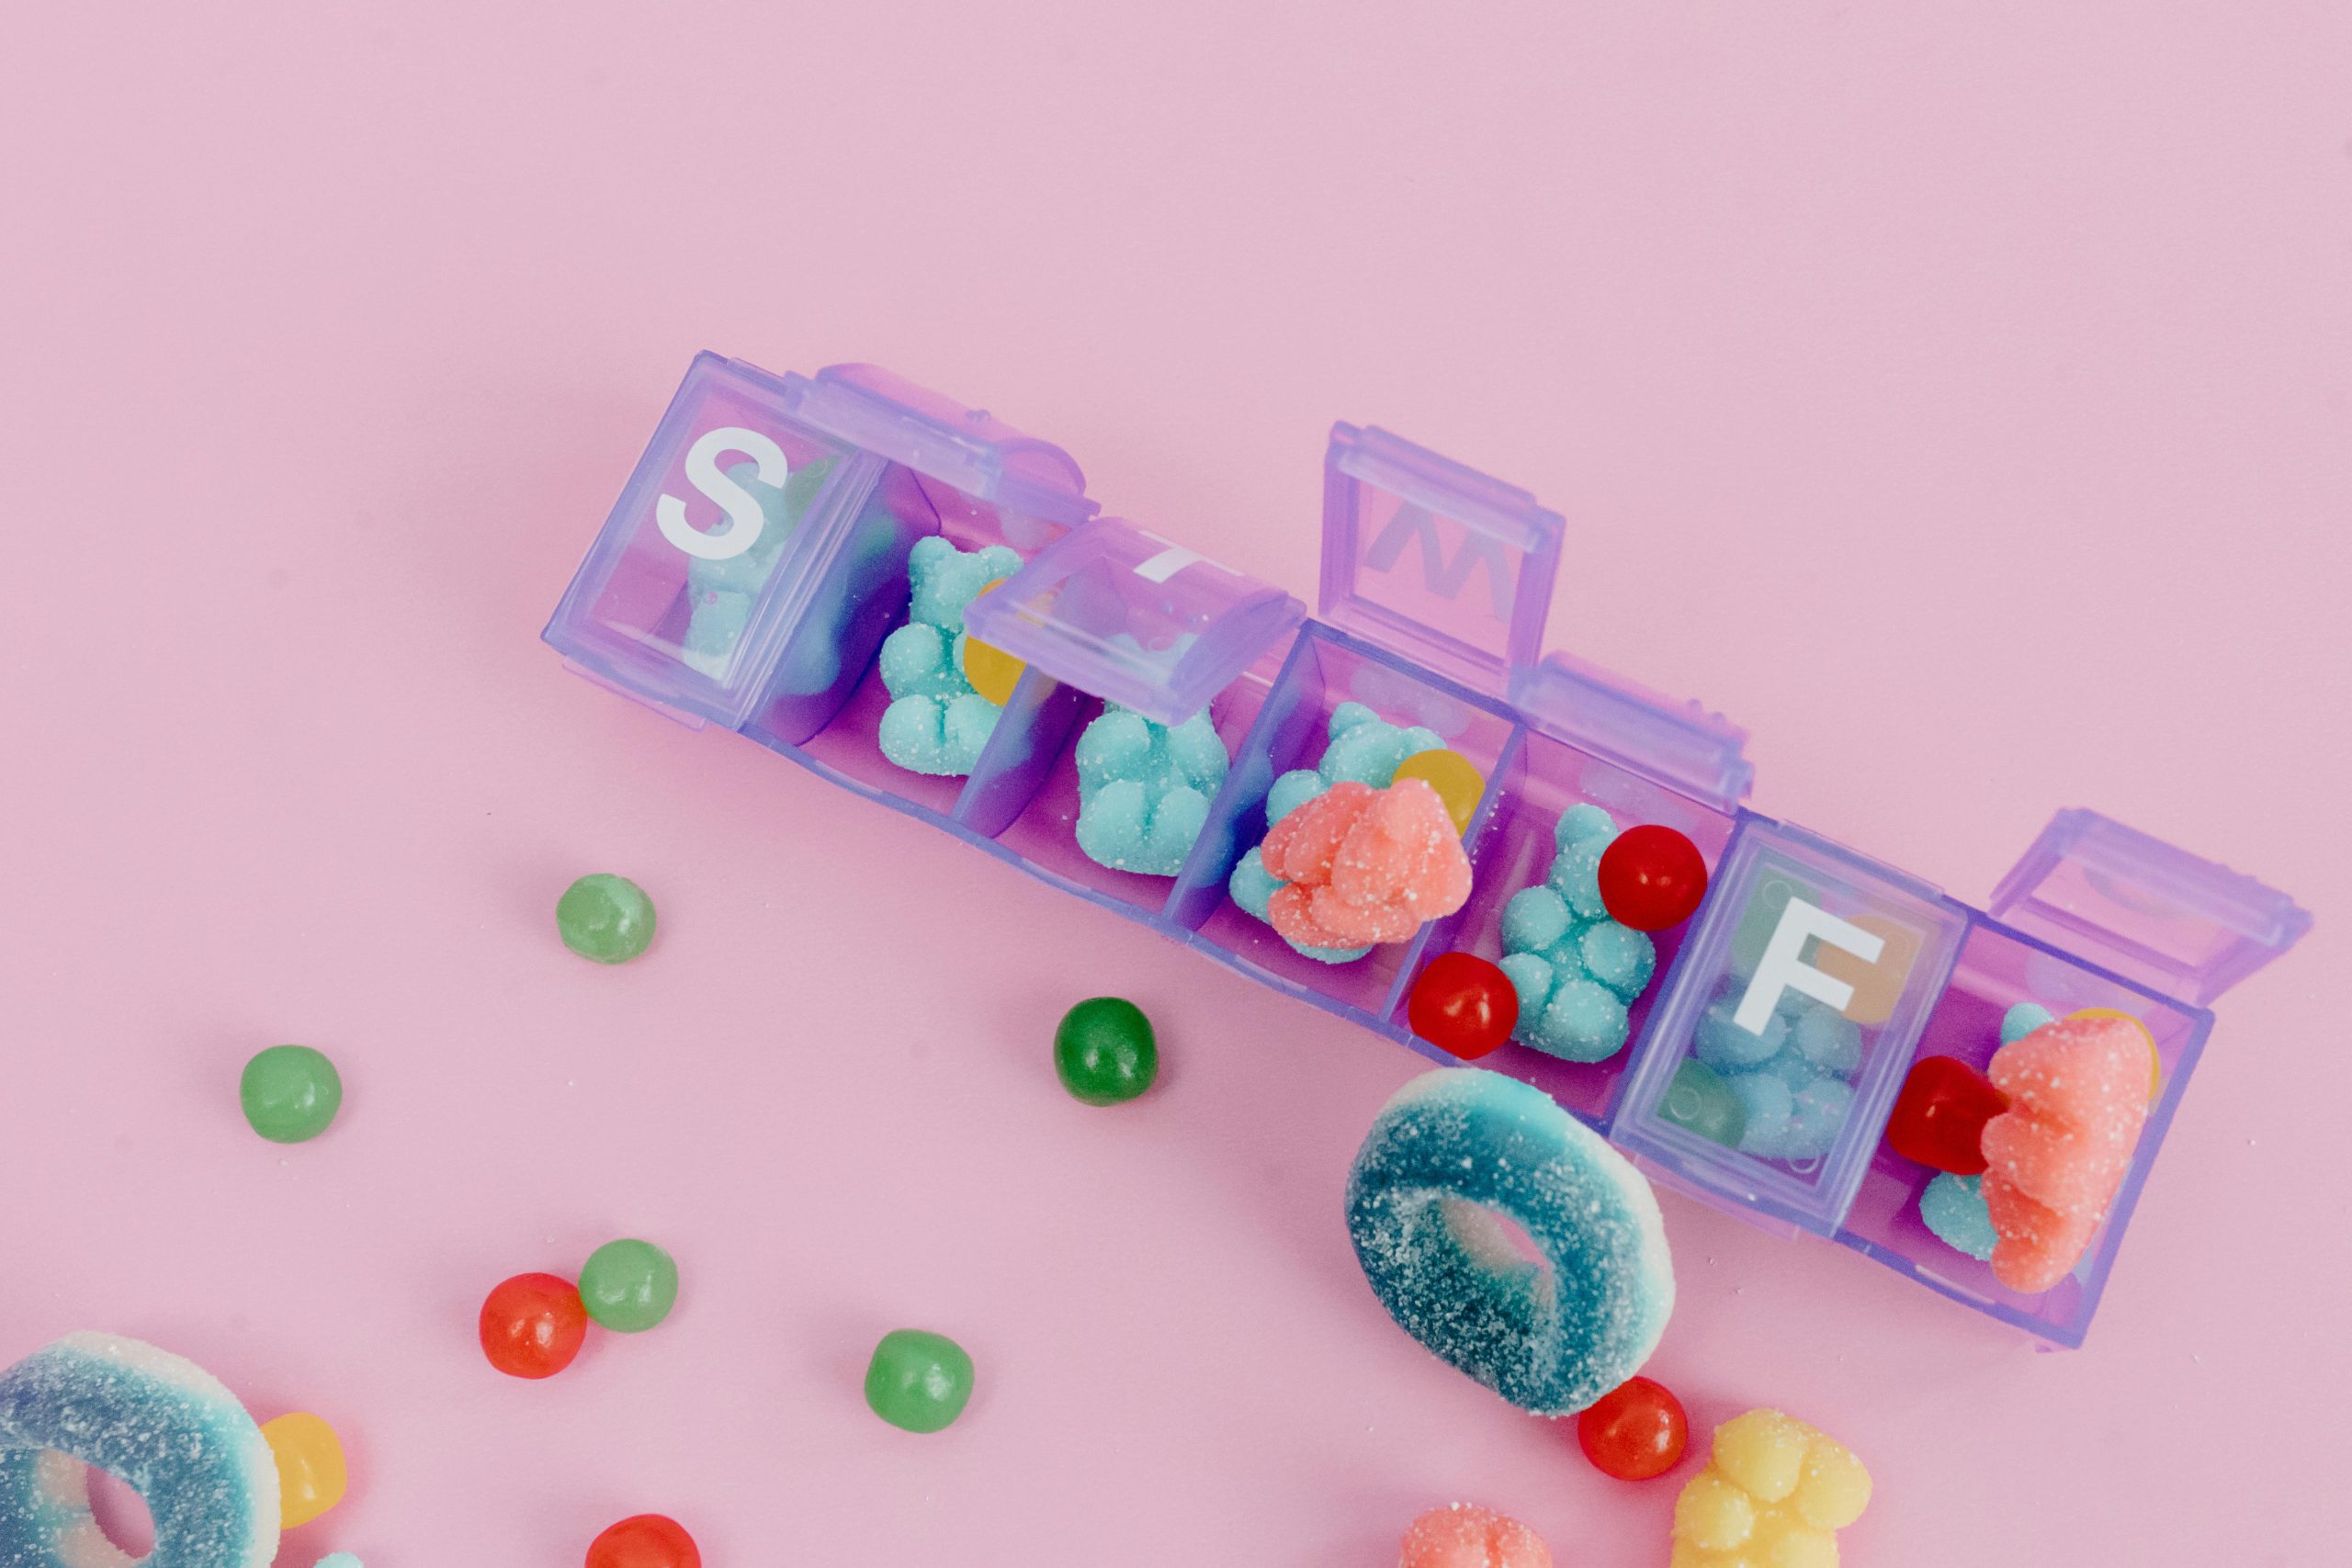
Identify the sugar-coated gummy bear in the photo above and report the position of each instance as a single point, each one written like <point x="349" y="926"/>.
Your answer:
<point x="1576" y="970"/>
<point x="1775" y="1494"/>
<point x="628" y="1286"/>
<point x="291" y="1093"/>
<point x="918" y="1381"/>
<point x="2078" y="1096"/>
<point x="1463" y="1535"/>
<point x="936" y="723"/>
<point x="164" y="1425"/>
<point x="721" y="592"/>
<point x="1144" y="789"/>
<point x="604" y="918"/>
<point x="1953" y="1207"/>
<point x="311" y="1473"/>
<point x="1362" y="866"/>
<point x="1456" y="1146"/>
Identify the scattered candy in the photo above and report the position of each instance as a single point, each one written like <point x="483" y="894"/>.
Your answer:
<point x="1105" y="1052"/>
<point x="1699" y="1099"/>
<point x="2077" y="1099"/>
<point x="604" y="918"/>
<point x="312" y="1476"/>
<point x="1652" y="878"/>
<point x="1451" y="775"/>
<point x="1463" y="1535"/>
<point x="1576" y="970"/>
<point x="1953" y="1208"/>
<point x="918" y="1382"/>
<point x="1938" y="1119"/>
<point x="628" y="1286"/>
<point x="937" y="723"/>
<point x="1364" y="866"/>
<point x="1774" y="1495"/>
<point x="1635" y="1432"/>
<point x="533" y="1325"/>
<point x="1144" y="789"/>
<point x="291" y="1093"/>
<point x="1456" y="1147"/>
<point x="163" y="1425"/>
<point x="648" y="1541"/>
<point x="1462" y="1005"/>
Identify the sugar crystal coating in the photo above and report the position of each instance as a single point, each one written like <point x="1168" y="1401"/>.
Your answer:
<point x="1953" y="1207"/>
<point x="1463" y="1535"/>
<point x="1455" y="1147"/>
<point x="1577" y="971"/>
<point x="1773" y="1495"/>
<point x="936" y="722"/>
<point x="165" y="1427"/>
<point x="2078" y="1096"/>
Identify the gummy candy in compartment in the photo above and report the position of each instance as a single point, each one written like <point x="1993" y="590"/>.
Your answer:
<point x="828" y="695"/>
<point x="1545" y="779"/>
<point x="1325" y="670"/>
<point x="1998" y="968"/>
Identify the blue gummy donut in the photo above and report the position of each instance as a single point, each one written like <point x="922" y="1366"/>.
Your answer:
<point x="1453" y="1149"/>
<point x="164" y="1425"/>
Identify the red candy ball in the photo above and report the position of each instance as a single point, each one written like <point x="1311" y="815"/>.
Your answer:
<point x="532" y="1325"/>
<point x="1938" y="1119"/>
<point x="649" y="1540"/>
<point x="1652" y="877"/>
<point x="1635" y="1431"/>
<point x="1462" y="1005"/>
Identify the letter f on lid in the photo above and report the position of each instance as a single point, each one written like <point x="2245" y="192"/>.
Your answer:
<point x="1784" y="968"/>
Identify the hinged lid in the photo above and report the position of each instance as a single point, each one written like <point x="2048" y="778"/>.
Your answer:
<point x="1124" y="614"/>
<point x="1679" y="745"/>
<point x="2150" y="912"/>
<point x="1433" y="560"/>
<point x="939" y="437"/>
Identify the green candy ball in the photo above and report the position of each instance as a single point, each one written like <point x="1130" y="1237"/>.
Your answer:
<point x="628" y="1286"/>
<point x="918" y="1382"/>
<point x="606" y="917"/>
<point x="291" y="1093"/>
<point x="1700" y="1100"/>
<point x="1105" y="1051"/>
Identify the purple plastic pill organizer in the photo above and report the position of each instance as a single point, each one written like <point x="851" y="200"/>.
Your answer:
<point x="920" y="602"/>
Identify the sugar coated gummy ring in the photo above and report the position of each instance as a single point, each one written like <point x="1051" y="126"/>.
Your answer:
<point x="162" y="1424"/>
<point x="1455" y="1150"/>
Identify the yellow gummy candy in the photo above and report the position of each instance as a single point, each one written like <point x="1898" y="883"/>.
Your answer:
<point x="1773" y="1495"/>
<point x="991" y="671"/>
<point x="310" y="1473"/>
<point x="1457" y="783"/>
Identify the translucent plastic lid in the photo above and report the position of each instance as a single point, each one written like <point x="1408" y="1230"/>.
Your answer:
<point x="2150" y="912"/>
<point x="1124" y="614"/>
<point x="1680" y="745"/>
<point x="1433" y="560"/>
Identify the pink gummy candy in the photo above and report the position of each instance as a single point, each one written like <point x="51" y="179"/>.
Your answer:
<point x="1364" y="866"/>
<point x="1466" y="1535"/>
<point x="2078" y="1094"/>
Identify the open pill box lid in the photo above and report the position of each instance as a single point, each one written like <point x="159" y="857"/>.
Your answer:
<point x="1124" y="614"/>
<point x="2180" y="925"/>
<point x="750" y="484"/>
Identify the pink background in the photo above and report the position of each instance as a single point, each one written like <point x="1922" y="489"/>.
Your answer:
<point x="1956" y="393"/>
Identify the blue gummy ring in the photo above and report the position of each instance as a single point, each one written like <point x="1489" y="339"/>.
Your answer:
<point x="1458" y="1148"/>
<point x="164" y="1425"/>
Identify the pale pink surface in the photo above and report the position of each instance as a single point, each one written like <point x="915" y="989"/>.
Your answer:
<point x="1957" y="393"/>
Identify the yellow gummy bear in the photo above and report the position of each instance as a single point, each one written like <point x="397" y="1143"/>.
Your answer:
<point x="1774" y="1495"/>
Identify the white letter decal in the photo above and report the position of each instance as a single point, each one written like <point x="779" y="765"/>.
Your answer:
<point x="743" y="508"/>
<point x="1783" y="969"/>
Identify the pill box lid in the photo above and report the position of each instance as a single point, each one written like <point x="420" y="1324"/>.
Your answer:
<point x="2150" y="912"/>
<point x="1118" y="610"/>
<point x="1433" y="560"/>
<point x="1679" y="745"/>
<point x="967" y="449"/>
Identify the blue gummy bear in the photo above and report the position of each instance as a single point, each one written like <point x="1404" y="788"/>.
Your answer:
<point x="721" y="593"/>
<point x="936" y="723"/>
<point x="1827" y="1039"/>
<point x="1576" y="876"/>
<point x="1723" y="1045"/>
<point x="1144" y="789"/>
<point x="163" y="1425"/>
<point x="1584" y="1021"/>
<point x="942" y="580"/>
<point x="1769" y="1108"/>
<point x="1580" y="822"/>
<point x="1618" y="956"/>
<point x="2021" y="1021"/>
<point x="1459" y="1145"/>
<point x="1953" y="1208"/>
<point x="1531" y="975"/>
<point x="1535" y="918"/>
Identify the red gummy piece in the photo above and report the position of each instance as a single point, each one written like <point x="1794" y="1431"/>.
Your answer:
<point x="1635" y="1432"/>
<point x="1365" y="865"/>
<point x="1652" y="877"/>
<point x="532" y="1325"/>
<point x="1462" y="1005"/>
<point x="2078" y="1097"/>
<point x="1939" y="1118"/>
<point x="649" y="1540"/>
